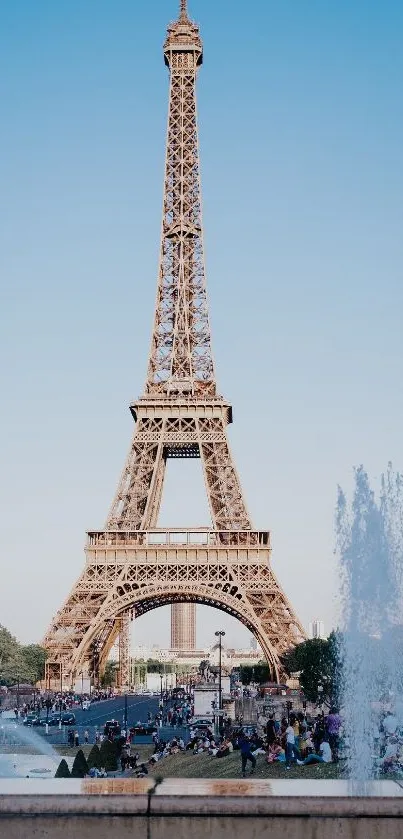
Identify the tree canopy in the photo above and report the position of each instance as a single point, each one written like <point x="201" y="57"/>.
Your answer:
<point x="80" y="765"/>
<point x="109" y="676"/>
<point x="19" y="662"/>
<point x="257" y="673"/>
<point x="317" y="662"/>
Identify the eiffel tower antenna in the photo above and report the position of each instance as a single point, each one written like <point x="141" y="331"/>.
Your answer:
<point x="132" y="565"/>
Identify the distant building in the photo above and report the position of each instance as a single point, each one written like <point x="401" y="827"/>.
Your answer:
<point x="253" y="643"/>
<point x="317" y="629"/>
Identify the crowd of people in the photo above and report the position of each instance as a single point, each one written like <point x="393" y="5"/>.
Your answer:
<point x="53" y="702"/>
<point x="293" y="739"/>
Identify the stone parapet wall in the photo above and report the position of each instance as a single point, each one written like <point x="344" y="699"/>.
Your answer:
<point x="194" y="809"/>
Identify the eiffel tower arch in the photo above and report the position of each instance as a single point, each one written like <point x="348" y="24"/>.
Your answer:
<point x="132" y="566"/>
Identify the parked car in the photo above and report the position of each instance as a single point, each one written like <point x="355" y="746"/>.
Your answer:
<point x="143" y="728"/>
<point x="32" y="720"/>
<point x="67" y="719"/>
<point x="112" y="727"/>
<point x="201" y="724"/>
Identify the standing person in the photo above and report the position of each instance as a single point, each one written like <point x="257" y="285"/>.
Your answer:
<point x="86" y="736"/>
<point x="333" y="725"/>
<point x="291" y="751"/>
<point x="319" y="732"/>
<point x="96" y="735"/>
<point x="76" y="739"/>
<point x="246" y="754"/>
<point x="270" y="730"/>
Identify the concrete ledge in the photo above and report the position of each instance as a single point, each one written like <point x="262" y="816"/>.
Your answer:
<point x="281" y="809"/>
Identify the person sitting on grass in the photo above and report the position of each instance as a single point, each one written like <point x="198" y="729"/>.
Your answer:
<point x="225" y="748"/>
<point x="198" y="747"/>
<point x="274" y="750"/>
<point x="324" y="756"/>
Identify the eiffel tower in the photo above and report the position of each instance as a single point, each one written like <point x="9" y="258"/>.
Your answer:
<point x="132" y="566"/>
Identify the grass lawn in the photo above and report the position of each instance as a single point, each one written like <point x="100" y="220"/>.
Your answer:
<point x="187" y="765"/>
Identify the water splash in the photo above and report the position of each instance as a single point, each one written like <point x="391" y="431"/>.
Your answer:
<point x="370" y="546"/>
<point x="13" y="736"/>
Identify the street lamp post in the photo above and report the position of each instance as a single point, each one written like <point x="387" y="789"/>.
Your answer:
<point x="220" y="634"/>
<point x="126" y="713"/>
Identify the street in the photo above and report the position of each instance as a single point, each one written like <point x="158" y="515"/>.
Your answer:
<point x="137" y="709"/>
<point x="99" y="712"/>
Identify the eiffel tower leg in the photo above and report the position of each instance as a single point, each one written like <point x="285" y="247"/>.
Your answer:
<point x="124" y="652"/>
<point x="227" y="505"/>
<point x="137" y="500"/>
<point x="155" y="494"/>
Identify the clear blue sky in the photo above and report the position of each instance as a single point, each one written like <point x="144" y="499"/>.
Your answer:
<point x="301" y="123"/>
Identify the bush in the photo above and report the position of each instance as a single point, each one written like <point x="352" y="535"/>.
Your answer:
<point x="108" y="756"/>
<point x="94" y="758"/>
<point x="63" y="770"/>
<point x="80" y="766"/>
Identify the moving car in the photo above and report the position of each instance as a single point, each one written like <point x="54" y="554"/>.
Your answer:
<point x="86" y="705"/>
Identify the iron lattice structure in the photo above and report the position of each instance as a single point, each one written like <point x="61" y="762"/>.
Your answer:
<point x="132" y="564"/>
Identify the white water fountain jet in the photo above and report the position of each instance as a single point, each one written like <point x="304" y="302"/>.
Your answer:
<point x="41" y="761"/>
<point x="370" y="545"/>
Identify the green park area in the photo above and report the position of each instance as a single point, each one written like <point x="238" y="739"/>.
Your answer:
<point x="188" y="765"/>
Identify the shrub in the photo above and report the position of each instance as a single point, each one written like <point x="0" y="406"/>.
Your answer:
<point x="94" y="758"/>
<point x="80" y="766"/>
<point x="108" y="756"/>
<point x="63" y="770"/>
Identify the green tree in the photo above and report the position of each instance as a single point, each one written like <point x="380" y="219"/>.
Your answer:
<point x="94" y="758"/>
<point x="80" y="765"/>
<point x="258" y="673"/>
<point x="318" y="662"/>
<point x="11" y="664"/>
<point x="63" y="770"/>
<point x="153" y="666"/>
<point x="34" y="658"/>
<point x="17" y="662"/>
<point x="108" y="756"/>
<point x="109" y="676"/>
